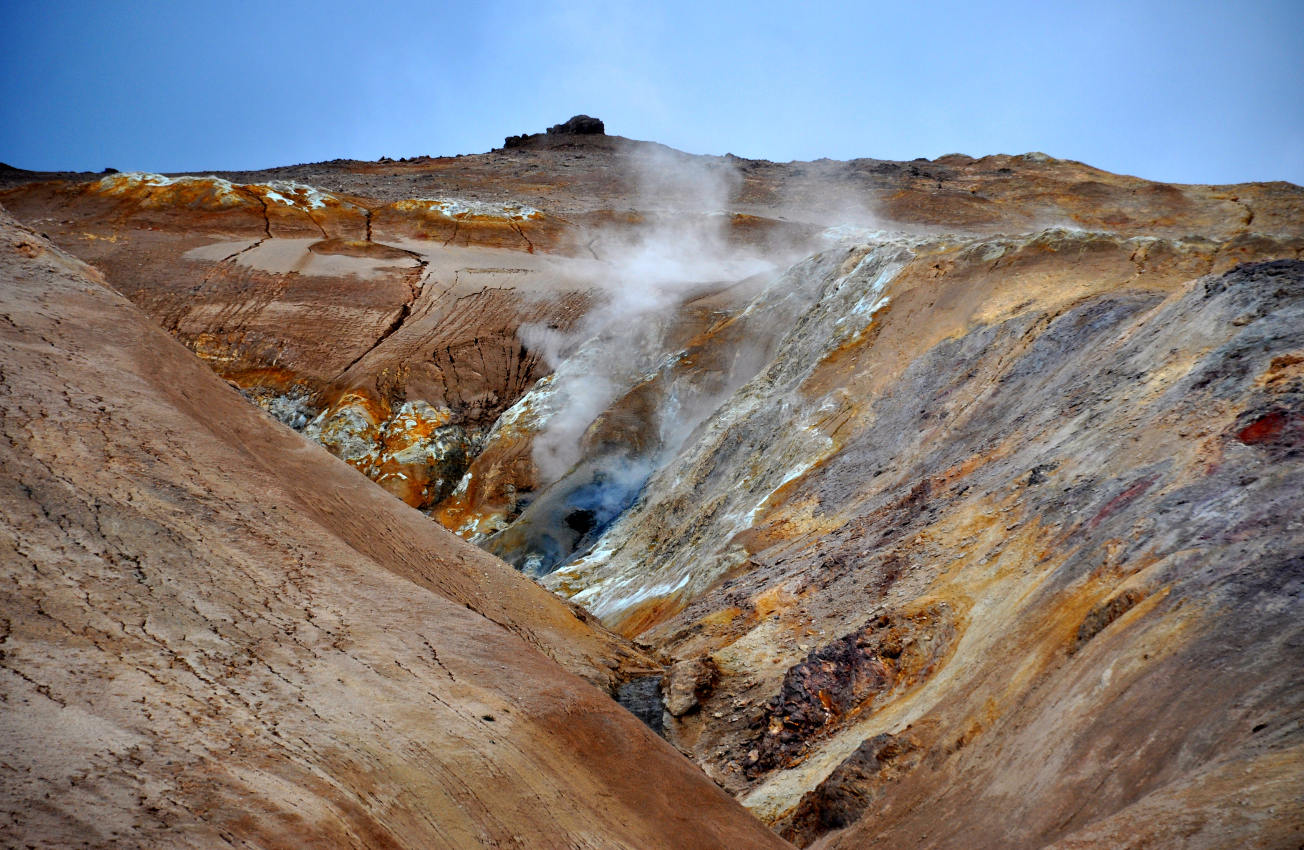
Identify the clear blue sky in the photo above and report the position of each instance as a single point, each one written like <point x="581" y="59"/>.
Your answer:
<point x="1181" y="91"/>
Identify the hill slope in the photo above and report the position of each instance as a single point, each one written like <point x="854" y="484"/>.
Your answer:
<point x="961" y="496"/>
<point x="215" y="633"/>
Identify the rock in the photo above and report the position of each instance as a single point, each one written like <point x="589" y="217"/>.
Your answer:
<point x="642" y="697"/>
<point x="1105" y="613"/>
<point x="853" y="786"/>
<point x="410" y="448"/>
<point x="847" y="677"/>
<point x="688" y="682"/>
<point x="580" y="125"/>
<point x="351" y="430"/>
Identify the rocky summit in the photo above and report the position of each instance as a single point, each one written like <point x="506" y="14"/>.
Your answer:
<point x="588" y="493"/>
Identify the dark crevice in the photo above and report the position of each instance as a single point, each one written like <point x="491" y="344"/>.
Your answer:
<point x="324" y="234"/>
<point x="262" y="202"/>
<point x="229" y="257"/>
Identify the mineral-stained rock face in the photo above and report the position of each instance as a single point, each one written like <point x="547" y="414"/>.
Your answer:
<point x="985" y="508"/>
<point x="215" y="634"/>
<point x="853" y="787"/>
<point x="960" y="498"/>
<point x="315" y="302"/>
<point x="848" y="676"/>
<point x="409" y="449"/>
<point x="1057" y="460"/>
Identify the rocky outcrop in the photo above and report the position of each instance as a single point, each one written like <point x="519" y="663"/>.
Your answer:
<point x="580" y="125"/>
<point x="852" y="789"/>
<point x="850" y="676"/>
<point x="215" y="633"/>
<point x="410" y="449"/>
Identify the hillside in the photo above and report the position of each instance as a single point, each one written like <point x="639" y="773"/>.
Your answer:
<point x="216" y="633"/>
<point x="942" y="503"/>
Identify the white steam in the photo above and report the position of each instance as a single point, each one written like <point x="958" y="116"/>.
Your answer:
<point x="680" y="249"/>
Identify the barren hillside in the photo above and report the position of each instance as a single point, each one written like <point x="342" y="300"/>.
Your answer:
<point x="948" y="503"/>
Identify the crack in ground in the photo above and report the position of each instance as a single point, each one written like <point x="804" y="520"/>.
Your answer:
<point x="262" y="202"/>
<point x="308" y="213"/>
<point x="414" y="293"/>
<point x="529" y="246"/>
<point x="172" y="321"/>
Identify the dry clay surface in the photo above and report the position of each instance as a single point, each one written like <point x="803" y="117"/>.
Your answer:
<point x="215" y="634"/>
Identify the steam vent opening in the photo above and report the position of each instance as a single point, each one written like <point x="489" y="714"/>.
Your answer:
<point x="564" y="520"/>
<point x="581" y="521"/>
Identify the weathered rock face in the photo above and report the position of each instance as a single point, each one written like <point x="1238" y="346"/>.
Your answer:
<point x="215" y="633"/>
<point x="1027" y="516"/>
<point x="975" y="526"/>
<point x="409" y="449"/>
<point x="580" y="125"/>
<point x="325" y="305"/>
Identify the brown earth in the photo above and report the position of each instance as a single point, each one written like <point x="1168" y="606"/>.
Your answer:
<point x="408" y="280"/>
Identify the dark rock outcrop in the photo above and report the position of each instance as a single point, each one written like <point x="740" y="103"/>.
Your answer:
<point x="580" y="125"/>
<point x="852" y="788"/>
<point x="642" y="697"/>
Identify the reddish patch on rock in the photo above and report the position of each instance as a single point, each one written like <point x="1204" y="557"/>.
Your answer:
<point x="1122" y="499"/>
<point x="1264" y="429"/>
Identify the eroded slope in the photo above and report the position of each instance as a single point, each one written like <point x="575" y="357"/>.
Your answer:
<point x="215" y="633"/>
<point x="1001" y="545"/>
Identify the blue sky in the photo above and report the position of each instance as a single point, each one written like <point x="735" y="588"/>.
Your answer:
<point x="1180" y="91"/>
